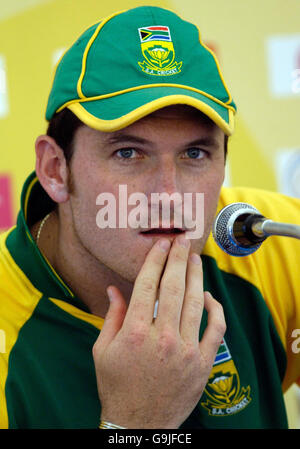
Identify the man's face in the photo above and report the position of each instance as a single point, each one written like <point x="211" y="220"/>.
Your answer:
<point x="175" y="149"/>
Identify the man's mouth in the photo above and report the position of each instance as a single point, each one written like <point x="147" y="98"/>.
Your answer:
<point x="162" y="231"/>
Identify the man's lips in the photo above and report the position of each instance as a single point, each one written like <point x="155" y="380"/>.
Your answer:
<point x="162" y="231"/>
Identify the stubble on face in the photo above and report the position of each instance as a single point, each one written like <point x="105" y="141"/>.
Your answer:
<point x="122" y="252"/>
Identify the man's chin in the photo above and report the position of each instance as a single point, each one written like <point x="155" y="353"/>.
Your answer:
<point x="126" y="269"/>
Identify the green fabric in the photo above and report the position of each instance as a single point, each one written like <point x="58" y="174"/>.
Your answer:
<point x="25" y="252"/>
<point x="112" y="108"/>
<point x="118" y="59"/>
<point x="64" y="86"/>
<point x="51" y="379"/>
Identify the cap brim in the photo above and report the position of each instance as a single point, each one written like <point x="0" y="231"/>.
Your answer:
<point x="118" y="111"/>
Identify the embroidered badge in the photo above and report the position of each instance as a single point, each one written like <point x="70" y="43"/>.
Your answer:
<point x="158" y="51"/>
<point x="223" y="394"/>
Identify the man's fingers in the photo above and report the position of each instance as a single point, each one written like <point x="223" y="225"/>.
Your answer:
<point x="172" y="285"/>
<point x="113" y="319"/>
<point x="215" y="330"/>
<point x="144" y="295"/>
<point x="193" y="300"/>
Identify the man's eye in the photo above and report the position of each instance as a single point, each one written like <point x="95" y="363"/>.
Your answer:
<point x="126" y="153"/>
<point x="195" y="153"/>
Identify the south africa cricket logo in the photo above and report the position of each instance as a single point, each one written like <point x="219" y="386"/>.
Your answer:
<point x="223" y="394"/>
<point x="158" y="51"/>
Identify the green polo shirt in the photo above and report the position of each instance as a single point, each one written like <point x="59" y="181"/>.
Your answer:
<point x="47" y="375"/>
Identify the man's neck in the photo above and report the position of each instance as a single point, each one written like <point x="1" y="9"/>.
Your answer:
<point x="83" y="273"/>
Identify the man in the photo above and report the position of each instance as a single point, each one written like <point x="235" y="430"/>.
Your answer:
<point x="153" y="115"/>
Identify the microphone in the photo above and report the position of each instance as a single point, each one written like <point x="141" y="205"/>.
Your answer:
<point x="239" y="229"/>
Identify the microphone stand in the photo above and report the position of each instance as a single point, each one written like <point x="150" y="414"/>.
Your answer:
<point x="265" y="228"/>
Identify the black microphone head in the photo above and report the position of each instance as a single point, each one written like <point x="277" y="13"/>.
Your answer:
<point x="223" y="229"/>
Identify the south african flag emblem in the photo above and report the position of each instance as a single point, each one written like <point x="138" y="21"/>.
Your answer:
<point x="155" y="33"/>
<point x="223" y="353"/>
<point x="158" y="51"/>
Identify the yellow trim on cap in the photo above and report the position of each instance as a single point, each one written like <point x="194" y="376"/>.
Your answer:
<point x="87" y="49"/>
<point x="126" y="120"/>
<point x="218" y="66"/>
<point x="56" y="67"/>
<point x="145" y="86"/>
<point x="93" y="38"/>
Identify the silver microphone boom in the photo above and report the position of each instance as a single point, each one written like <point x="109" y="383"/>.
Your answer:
<point x="239" y="229"/>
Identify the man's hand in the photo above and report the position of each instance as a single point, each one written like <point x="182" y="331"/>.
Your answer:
<point x="151" y="372"/>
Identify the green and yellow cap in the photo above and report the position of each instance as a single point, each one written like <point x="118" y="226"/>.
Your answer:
<point x="135" y="62"/>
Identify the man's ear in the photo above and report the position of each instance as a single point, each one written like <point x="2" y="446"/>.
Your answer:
<point x="51" y="168"/>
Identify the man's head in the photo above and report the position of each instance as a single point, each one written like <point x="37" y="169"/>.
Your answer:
<point x="134" y="63"/>
<point x="146" y="106"/>
<point x="176" y="149"/>
<point x="129" y="65"/>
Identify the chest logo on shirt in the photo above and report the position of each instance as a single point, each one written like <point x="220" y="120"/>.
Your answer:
<point x="223" y="394"/>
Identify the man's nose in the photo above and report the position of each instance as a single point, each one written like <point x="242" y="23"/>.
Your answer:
<point x="166" y="177"/>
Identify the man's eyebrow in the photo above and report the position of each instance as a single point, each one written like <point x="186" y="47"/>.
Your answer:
<point x="208" y="141"/>
<point x="124" y="137"/>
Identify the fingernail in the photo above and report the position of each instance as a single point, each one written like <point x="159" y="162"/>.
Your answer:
<point x="195" y="258"/>
<point x="183" y="241"/>
<point x="109" y="294"/>
<point x="164" y="245"/>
